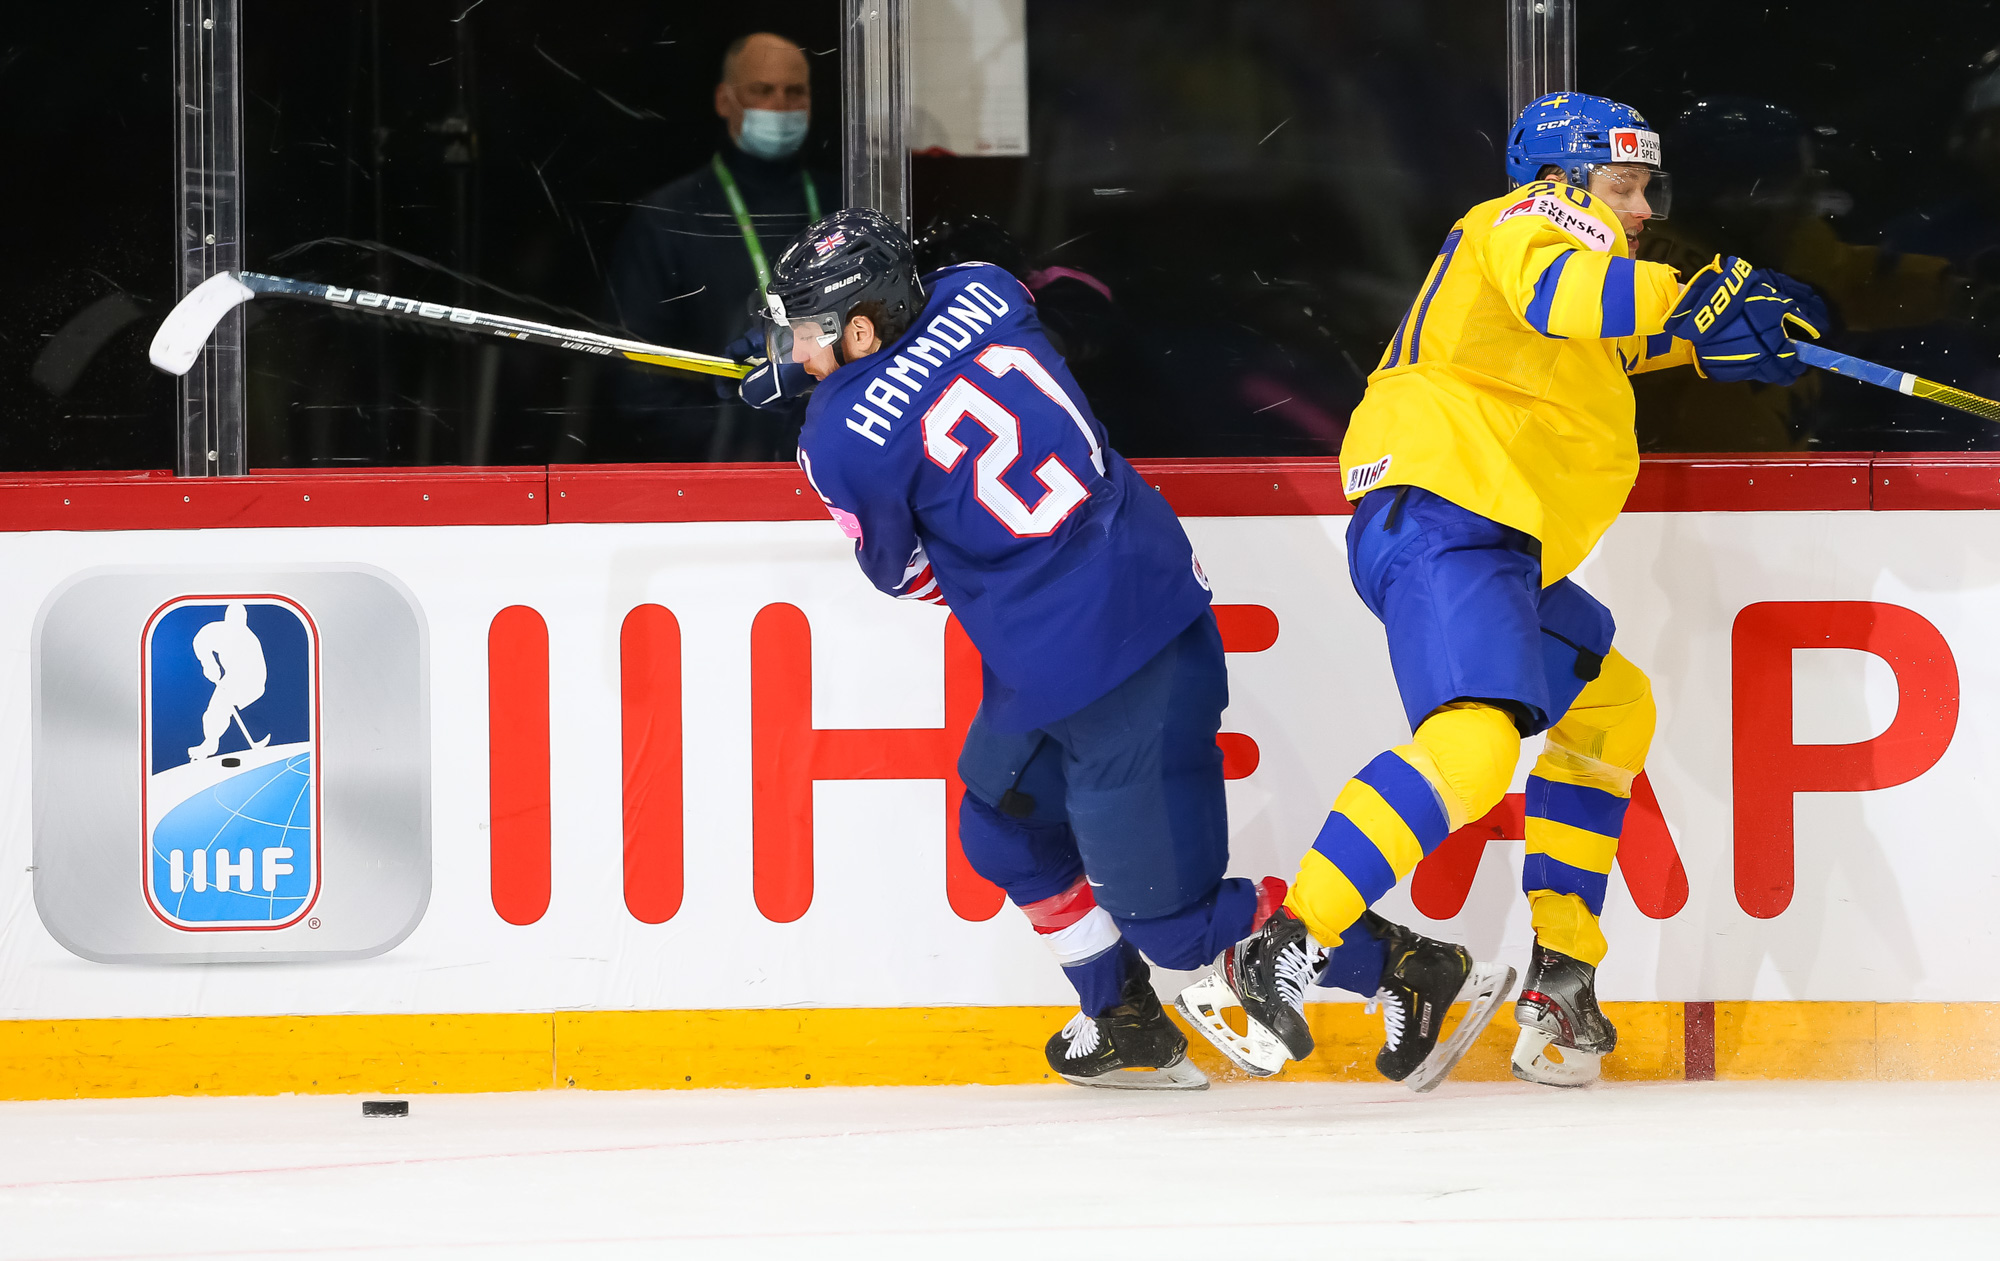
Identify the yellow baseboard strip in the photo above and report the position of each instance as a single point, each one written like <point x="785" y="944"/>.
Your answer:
<point x="272" y="1055"/>
<point x="897" y="1046"/>
<point x="880" y="1046"/>
<point x="1346" y="1038"/>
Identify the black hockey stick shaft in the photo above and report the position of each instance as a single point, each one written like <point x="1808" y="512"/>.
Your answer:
<point x="188" y="326"/>
<point x="436" y="313"/>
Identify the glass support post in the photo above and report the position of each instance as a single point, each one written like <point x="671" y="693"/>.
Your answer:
<point x="208" y="141"/>
<point x="1541" y="51"/>
<point x="875" y="105"/>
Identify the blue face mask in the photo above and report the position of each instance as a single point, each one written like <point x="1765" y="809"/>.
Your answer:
<point x="773" y="134"/>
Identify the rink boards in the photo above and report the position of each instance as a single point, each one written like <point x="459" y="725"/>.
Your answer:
<point x="649" y="803"/>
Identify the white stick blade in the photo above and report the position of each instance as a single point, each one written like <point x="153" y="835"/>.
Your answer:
<point x="189" y="325"/>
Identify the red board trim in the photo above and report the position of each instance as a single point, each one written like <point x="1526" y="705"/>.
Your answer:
<point x="644" y="493"/>
<point x="1703" y="483"/>
<point x="376" y="497"/>
<point x="681" y="492"/>
<point x="1903" y="483"/>
<point x="1207" y="488"/>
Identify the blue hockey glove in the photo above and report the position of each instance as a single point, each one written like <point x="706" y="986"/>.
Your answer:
<point x="775" y="386"/>
<point x="1741" y="321"/>
<point x="765" y="387"/>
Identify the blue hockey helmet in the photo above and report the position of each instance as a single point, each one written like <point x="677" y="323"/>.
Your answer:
<point x="850" y="257"/>
<point x="1579" y="133"/>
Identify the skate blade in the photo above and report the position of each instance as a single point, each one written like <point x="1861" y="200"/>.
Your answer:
<point x="1259" y="1053"/>
<point x="1179" y="1075"/>
<point x="1532" y="1062"/>
<point x="1484" y="990"/>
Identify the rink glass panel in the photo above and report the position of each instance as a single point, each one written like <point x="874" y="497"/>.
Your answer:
<point x="1260" y="187"/>
<point x="88" y="94"/>
<point x="1853" y="149"/>
<point x="489" y="163"/>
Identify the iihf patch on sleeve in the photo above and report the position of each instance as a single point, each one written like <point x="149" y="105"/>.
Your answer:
<point x="1360" y="479"/>
<point x="1584" y="227"/>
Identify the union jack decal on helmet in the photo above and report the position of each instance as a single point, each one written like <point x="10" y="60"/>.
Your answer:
<point x="830" y="242"/>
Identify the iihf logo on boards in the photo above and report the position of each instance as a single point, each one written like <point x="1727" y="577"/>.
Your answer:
<point x="230" y="716"/>
<point x="231" y="762"/>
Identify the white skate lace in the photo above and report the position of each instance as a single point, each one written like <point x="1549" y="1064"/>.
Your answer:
<point x="1082" y="1036"/>
<point x="1392" y="1015"/>
<point x="1294" y="973"/>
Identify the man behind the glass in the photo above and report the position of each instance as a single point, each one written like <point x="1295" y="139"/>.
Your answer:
<point x="695" y="249"/>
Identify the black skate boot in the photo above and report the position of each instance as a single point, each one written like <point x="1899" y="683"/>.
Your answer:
<point x="1558" y="1009"/>
<point x="1131" y="1047"/>
<point x="1420" y="982"/>
<point x="1265" y="974"/>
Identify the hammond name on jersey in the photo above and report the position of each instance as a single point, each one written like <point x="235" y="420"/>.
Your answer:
<point x="1066" y="568"/>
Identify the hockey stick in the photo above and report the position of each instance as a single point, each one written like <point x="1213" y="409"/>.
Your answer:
<point x="189" y="325"/>
<point x="237" y="714"/>
<point x="1891" y="379"/>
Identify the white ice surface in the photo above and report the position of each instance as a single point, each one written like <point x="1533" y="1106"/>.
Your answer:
<point x="1255" y="1170"/>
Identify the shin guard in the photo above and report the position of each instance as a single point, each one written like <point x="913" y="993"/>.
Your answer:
<point x="1399" y="808"/>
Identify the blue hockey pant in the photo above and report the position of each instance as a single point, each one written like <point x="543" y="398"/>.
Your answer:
<point x="1108" y="828"/>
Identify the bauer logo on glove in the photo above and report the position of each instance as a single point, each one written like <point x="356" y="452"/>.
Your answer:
<point x="1741" y="320"/>
<point x="1713" y="289"/>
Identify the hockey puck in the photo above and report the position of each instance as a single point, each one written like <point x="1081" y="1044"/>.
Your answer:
<point x="385" y="1107"/>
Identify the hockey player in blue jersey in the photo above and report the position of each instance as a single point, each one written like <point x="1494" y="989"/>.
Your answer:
<point x="950" y="442"/>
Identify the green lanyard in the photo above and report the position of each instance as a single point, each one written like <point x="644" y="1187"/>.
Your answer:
<point x="742" y="213"/>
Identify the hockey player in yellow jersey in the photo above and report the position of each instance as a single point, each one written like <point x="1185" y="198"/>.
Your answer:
<point x="1493" y="448"/>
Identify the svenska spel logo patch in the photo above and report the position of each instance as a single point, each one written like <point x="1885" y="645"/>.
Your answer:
<point x="1630" y="144"/>
<point x="230" y="711"/>
<point x="1572" y="219"/>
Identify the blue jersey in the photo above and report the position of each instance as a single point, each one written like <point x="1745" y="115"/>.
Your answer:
<point x="965" y="464"/>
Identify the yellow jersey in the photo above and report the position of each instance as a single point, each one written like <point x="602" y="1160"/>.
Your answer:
<point x="1506" y="389"/>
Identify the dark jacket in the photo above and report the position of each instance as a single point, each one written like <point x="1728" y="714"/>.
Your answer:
<point x="681" y="276"/>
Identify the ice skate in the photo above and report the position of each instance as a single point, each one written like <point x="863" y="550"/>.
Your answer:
<point x="1421" y="981"/>
<point x="1564" y="1034"/>
<point x="1265" y="974"/>
<point x="1134" y="1046"/>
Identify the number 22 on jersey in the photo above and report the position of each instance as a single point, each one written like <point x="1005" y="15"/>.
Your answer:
<point x="1062" y="492"/>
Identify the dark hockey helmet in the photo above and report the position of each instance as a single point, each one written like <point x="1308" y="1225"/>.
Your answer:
<point x="850" y="257"/>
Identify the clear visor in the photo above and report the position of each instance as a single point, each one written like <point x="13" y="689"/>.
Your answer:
<point x="1631" y="189"/>
<point x="777" y="341"/>
<point x="823" y="328"/>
